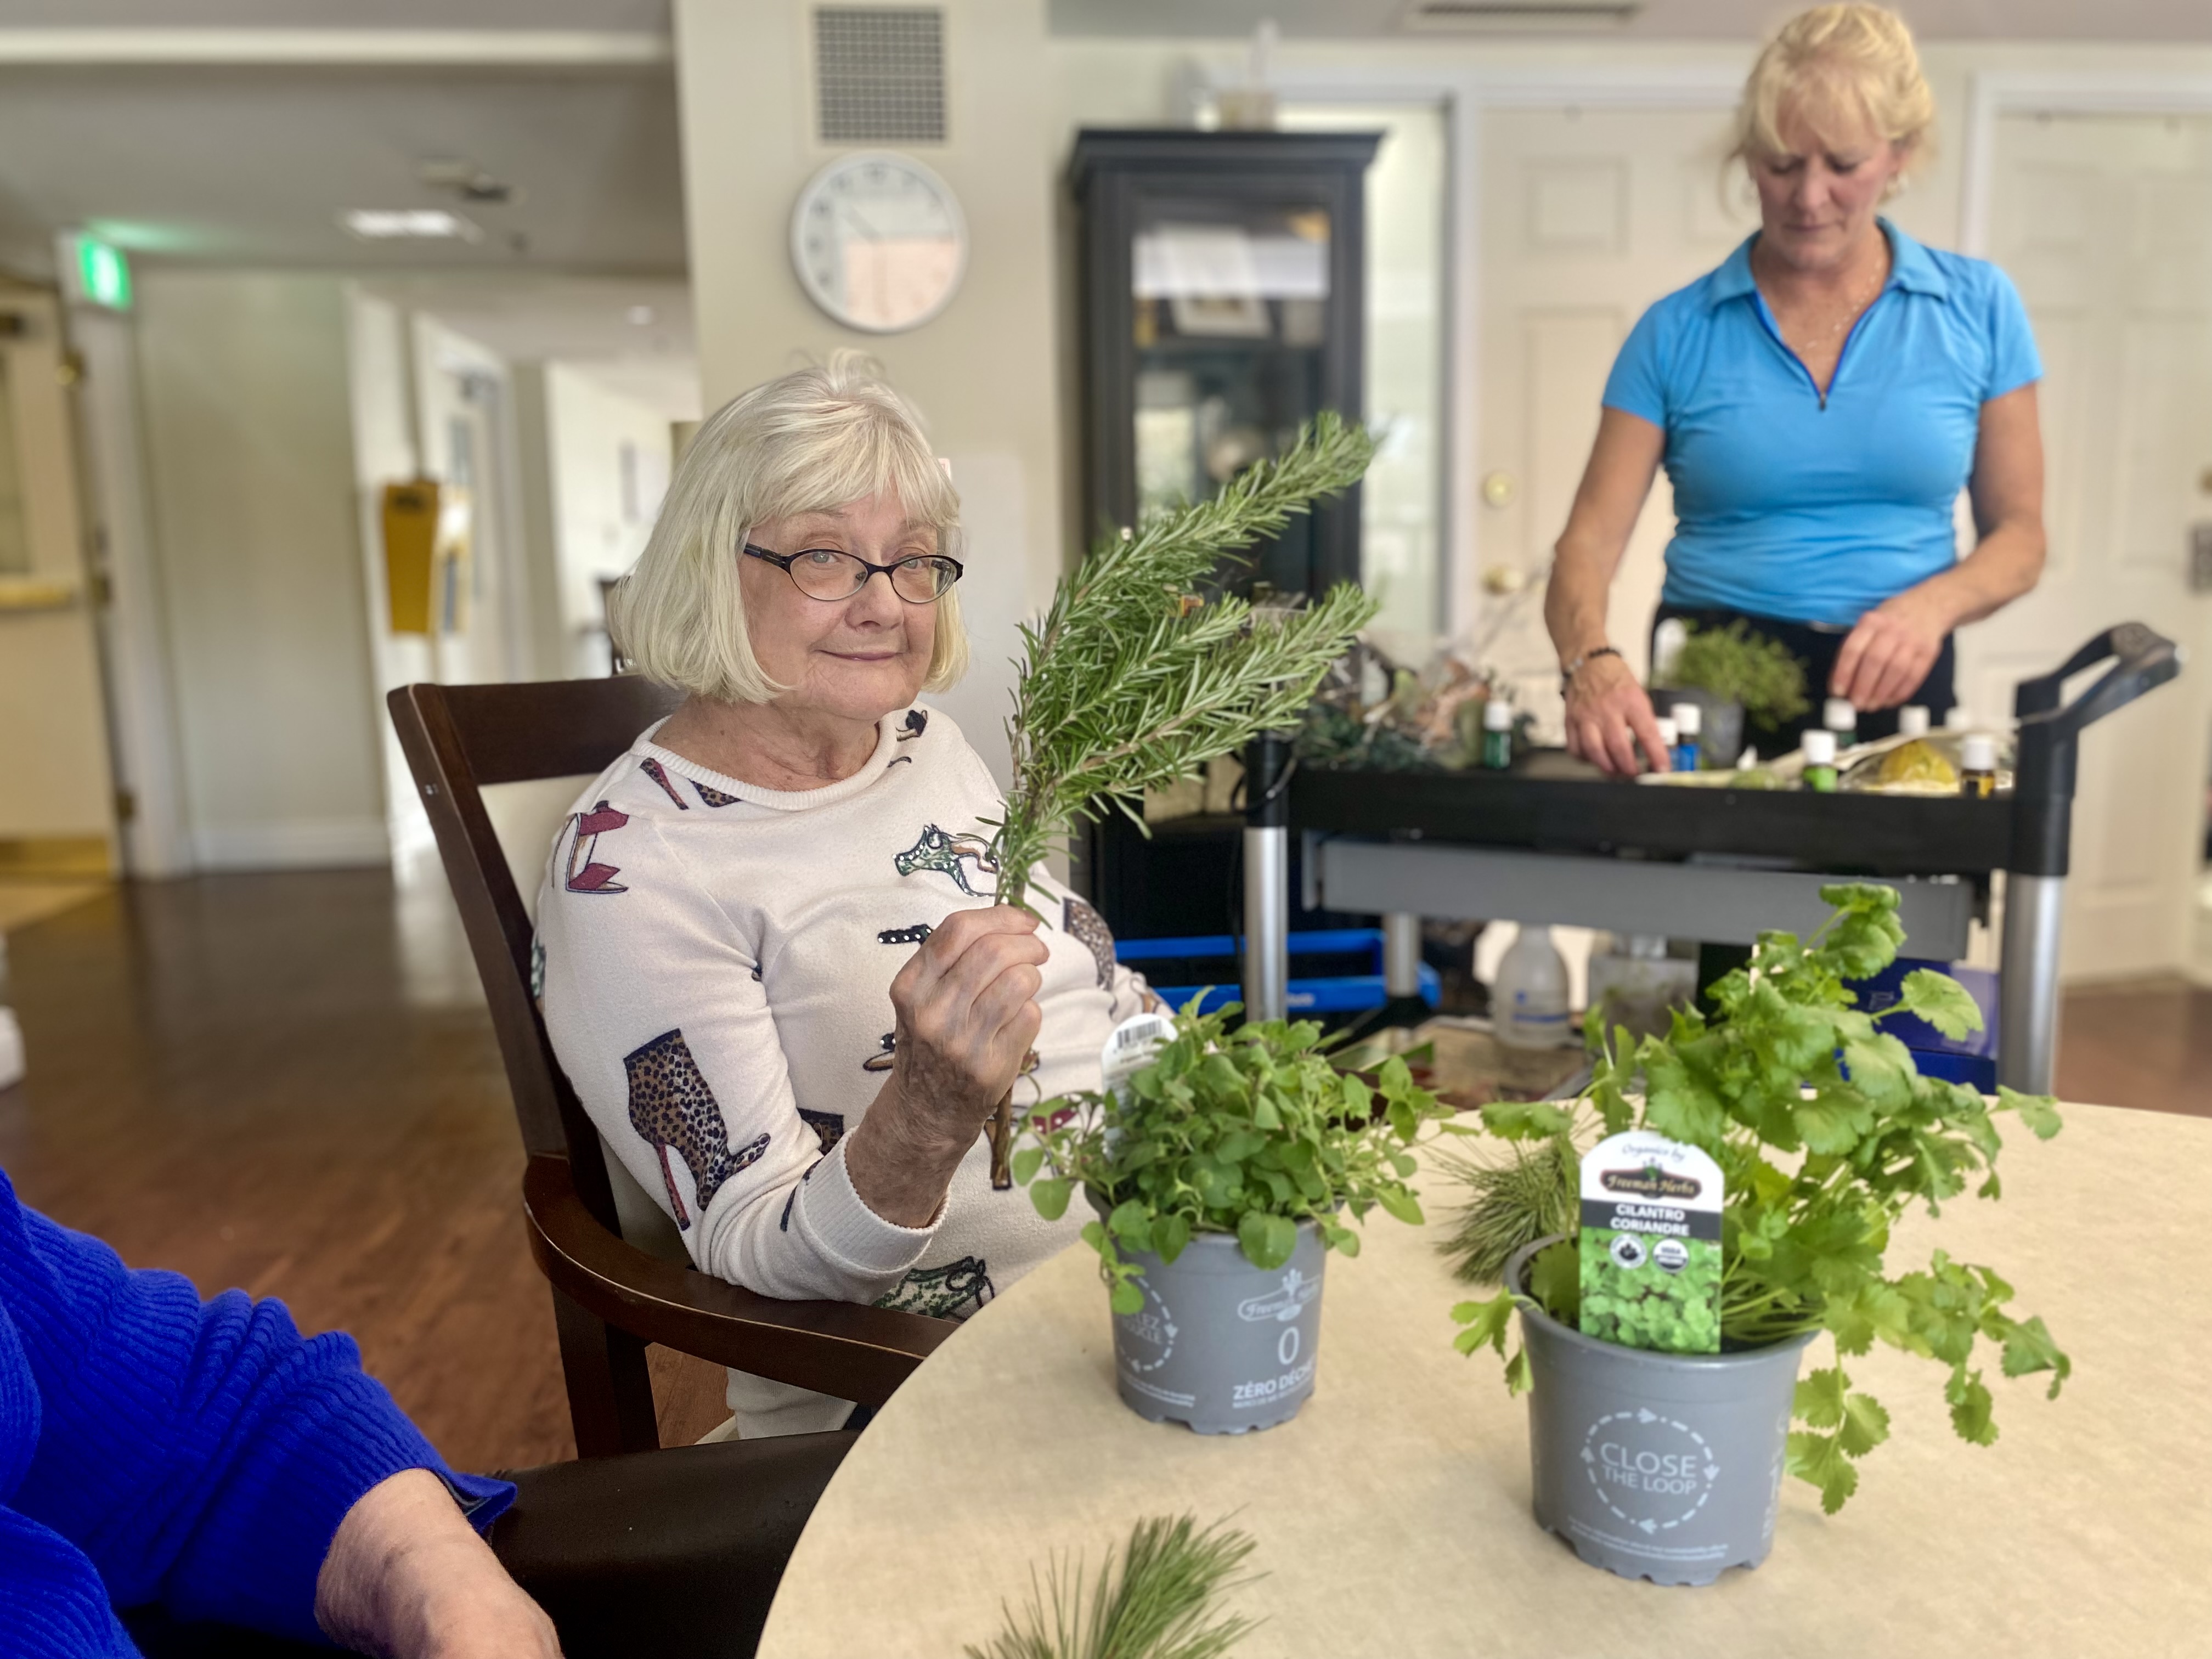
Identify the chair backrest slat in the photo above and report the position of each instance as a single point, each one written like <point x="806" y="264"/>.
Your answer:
<point x="457" y="739"/>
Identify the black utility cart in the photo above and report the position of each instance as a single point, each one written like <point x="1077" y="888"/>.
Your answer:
<point x="1716" y="865"/>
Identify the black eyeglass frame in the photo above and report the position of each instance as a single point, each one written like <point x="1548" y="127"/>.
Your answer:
<point x="783" y="561"/>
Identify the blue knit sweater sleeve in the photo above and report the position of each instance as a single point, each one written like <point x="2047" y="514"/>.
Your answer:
<point x="200" y="1454"/>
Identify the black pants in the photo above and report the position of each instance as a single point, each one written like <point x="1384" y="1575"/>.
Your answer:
<point x="1816" y="648"/>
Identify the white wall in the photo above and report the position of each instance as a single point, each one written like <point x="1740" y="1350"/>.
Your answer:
<point x="986" y="371"/>
<point x="250" y="458"/>
<point x="597" y="532"/>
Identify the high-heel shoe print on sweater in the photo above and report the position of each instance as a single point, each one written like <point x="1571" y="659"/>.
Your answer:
<point x="671" y="1106"/>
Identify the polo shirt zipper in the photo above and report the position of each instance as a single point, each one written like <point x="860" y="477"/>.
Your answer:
<point x="1774" y="332"/>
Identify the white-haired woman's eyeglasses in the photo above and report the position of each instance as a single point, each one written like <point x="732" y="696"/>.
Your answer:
<point x="822" y="573"/>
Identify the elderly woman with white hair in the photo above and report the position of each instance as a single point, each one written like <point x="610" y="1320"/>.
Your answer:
<point x="769" y="964"/>
<point x="1818" y="401"/>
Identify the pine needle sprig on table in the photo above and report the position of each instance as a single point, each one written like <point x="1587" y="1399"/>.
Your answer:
<point x="1159" y="1605"/>
<point x="1130" y="681"/>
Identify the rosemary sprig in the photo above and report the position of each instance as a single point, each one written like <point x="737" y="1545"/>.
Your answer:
<point x="1131" y="682"/>
<point x="1159" y="1605"/>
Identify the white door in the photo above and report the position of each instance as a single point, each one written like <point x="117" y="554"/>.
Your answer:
<point x="2105" y="223"/>
<point x="1587" y="218"/>
<point x="57" y="809"/>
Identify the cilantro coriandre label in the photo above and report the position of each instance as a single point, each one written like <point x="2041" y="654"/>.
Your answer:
<point x="1651" y="1245"/>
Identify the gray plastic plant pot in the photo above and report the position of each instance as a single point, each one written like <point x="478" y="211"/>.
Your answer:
<point x="1220" y="1344"/>
<point x="1665" y="1467"/>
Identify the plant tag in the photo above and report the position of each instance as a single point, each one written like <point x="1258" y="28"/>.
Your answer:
<point x="1651" y="1245"/>
<point x="1129" y="1049"/>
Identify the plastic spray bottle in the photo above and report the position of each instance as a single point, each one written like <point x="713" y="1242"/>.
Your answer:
<point x="1528" y="1003"/>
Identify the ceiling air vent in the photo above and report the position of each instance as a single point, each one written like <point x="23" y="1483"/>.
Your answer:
<point x="879" y="74"/>
<point x="1471" y="16"/>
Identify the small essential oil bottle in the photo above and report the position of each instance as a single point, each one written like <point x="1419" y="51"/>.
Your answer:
<point x="1977" y="767"/>
<point x="1838" y="715"/>
<point x="1958" y="718"/>
<point x="1668" y="738"/>
<point x="1820" y="761"/>
<point x="1682" y="753"/>
<point x="1912" y="722"/>
<point x="1498" y="734"/>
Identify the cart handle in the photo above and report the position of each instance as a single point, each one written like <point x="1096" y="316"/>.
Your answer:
<point x="2043" y="777"/>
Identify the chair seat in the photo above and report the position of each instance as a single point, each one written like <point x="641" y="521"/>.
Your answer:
<point x="667" y="1552"/>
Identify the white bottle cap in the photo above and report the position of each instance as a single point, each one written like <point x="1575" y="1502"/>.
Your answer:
<point x="1819" y="749"/>
<point x="1688" y="717"/>
<point x="1956" y="718"/>
<point x="1498" y="715"/>
<point x="1838" y="715"/>
<point x="1912" y="722"/>
<point x="1979" y="751"/>
<point x="1667" y="735"/>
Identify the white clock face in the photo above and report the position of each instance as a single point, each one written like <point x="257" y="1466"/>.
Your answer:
<point x="879" y="242"/>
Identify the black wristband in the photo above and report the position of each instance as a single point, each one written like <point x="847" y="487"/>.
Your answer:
<point x="1567" y="674"/>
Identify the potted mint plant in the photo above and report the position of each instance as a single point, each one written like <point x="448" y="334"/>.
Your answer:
<point x="1222" y="1171"/>
<point x="1732" y="674"/>
<point x="1667" y="1465"/>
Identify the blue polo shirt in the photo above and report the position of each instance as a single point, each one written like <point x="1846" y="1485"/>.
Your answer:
<point x="1814" y="510"/>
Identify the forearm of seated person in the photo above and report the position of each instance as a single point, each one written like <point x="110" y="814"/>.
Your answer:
<point x="899" y="1164"/>
<point x="407" y="1577"/>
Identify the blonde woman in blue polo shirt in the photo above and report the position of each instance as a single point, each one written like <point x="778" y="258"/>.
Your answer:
<point x="1817" y="402"/>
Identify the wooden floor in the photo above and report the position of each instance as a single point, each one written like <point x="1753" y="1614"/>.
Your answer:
<point x="288" y="1083"/>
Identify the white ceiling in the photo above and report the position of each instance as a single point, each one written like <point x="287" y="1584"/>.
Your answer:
<point x="248" y="166"/>
<point x="1698" y="20"/>
<point x="589" y="324"/>
<point x="652" y="15"/>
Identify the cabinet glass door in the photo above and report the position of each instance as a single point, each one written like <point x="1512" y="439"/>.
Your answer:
<point x="1229" y="323"/>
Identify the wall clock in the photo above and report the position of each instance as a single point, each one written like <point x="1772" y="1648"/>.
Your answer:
<point x="878" y="241"/>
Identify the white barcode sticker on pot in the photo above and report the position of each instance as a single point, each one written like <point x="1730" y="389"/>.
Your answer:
<point x="1651" y="1245"/>
<point x="1129" y="1049"/>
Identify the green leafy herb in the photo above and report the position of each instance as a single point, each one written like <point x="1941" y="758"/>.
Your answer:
<point x="1132" y="681"/>
<point x="1743" y="666"/>
<point x="1790" y="1065"/>
<point x="1157" y="1603"/>
<point x="1247" y="1131"/>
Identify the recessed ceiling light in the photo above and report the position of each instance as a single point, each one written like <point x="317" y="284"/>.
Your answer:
<point x="381" y="224"/>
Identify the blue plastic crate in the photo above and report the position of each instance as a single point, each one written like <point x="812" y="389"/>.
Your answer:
<point x="1344" y="994"/>
<point x="1971" y="1059"/>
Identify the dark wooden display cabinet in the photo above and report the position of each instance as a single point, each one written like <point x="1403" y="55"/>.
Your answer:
<point x="1223" y="306"/>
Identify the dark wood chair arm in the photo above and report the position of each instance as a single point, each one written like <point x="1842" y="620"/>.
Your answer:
<point x="842" y="1348"/>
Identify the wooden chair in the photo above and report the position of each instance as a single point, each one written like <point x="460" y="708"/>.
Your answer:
<point x="611" y="1297"/>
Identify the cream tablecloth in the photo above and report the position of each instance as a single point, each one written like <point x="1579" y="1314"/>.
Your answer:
<point x="1392" y="1515"/>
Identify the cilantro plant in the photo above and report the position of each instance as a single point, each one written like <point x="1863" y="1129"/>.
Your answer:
<point x="1247" y="1132"/>
<point x="1826" y="1135"/>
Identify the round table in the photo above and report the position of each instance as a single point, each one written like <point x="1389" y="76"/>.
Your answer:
<point x="1392" y="1515"/>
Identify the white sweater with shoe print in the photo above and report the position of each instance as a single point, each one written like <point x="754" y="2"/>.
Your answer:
<point x="715" y="966"/>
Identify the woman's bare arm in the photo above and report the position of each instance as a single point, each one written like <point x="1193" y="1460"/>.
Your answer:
<point x="1607" y="713"/>
<point x="1895" y="644"/>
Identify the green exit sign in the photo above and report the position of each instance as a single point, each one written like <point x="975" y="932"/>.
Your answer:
<point x="103" y="275"/>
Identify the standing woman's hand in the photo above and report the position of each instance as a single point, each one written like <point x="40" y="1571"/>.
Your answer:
<point x="1608" y="715"/>
<point x="1889" y="653"/>
<point x="966" y="1013"/>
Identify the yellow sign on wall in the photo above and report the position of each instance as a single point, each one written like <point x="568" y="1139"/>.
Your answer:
<point x="410" y="541"/>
